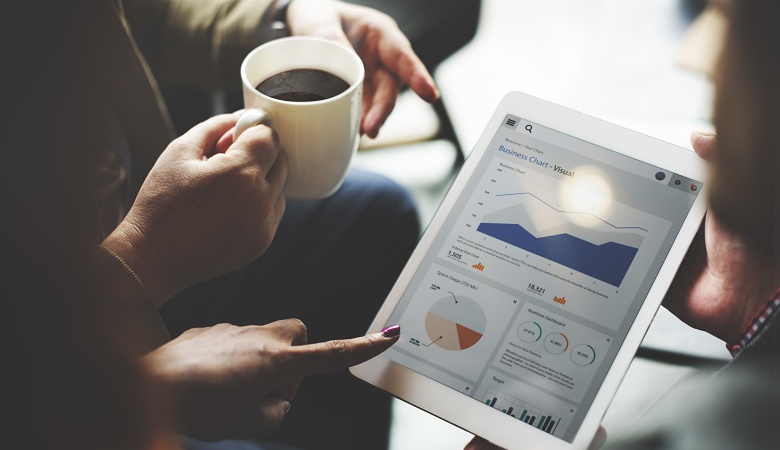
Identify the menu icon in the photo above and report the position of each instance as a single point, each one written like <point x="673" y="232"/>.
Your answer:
<point x="511" y="122"/>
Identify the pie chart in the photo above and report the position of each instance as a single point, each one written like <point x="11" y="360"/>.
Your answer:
<point x="455" y="323"/>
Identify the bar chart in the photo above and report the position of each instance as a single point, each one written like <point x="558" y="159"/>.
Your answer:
<point x="522" y="411"/>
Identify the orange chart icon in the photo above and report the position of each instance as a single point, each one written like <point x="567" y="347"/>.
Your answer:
<point x="479" y="267"/>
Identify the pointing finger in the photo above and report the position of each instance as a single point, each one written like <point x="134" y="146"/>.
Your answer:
<point x="330" y="356"/>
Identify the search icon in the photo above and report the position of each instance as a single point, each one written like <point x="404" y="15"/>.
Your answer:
<point x="528" y="128"/>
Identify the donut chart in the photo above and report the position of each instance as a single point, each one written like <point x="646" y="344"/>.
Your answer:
<point x="455" y="323"/>
<point x="529" y="332"/>
<point x="583" y="355"/>
<point x="556" y="343"/>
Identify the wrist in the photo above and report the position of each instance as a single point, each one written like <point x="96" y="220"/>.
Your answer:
<point x="129" y="244"/>
<point x="754" y="327"/>
<point x="131" y="305"/>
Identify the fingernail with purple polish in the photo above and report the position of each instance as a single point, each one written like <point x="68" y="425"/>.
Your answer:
<point x="391" y="331"/>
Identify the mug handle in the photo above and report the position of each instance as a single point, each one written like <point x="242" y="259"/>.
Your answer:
<point x="250" y="118"/>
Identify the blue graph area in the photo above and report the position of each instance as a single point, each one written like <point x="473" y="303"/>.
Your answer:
<point x="607" y="262"/>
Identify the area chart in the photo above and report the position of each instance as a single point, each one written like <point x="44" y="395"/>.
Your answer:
<point x="579" y="241"/>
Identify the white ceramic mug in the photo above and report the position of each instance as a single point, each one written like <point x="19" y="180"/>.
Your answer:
<point x="320" y="137"/>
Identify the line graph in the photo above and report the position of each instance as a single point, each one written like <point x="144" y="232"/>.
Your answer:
<point x="571" y="212"/>
<point x="599" y="248"/>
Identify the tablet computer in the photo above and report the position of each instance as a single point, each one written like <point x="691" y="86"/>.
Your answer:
<point x="535" y="282"/>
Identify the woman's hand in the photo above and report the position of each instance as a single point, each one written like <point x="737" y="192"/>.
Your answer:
<point x="386" y="53"/>
<point x="721" y="283"/>
<point x="239" y="382"/>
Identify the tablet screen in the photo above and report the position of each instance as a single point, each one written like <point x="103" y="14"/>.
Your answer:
<point x="539" y="270"/>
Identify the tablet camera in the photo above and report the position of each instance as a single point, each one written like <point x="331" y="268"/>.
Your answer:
<point x="660" y="176"/>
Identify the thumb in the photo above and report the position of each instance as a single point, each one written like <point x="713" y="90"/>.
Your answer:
<point x="330" y="356"/>
<point x="270" y="415"/>
<point x="599" y="439"/>
<point x="477" y="443"/>
<point x="704" y="144"/>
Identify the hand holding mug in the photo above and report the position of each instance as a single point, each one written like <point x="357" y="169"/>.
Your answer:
<point x="201" y="212"/>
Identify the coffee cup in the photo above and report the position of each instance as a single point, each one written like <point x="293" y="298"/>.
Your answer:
<point x="318" y="130"/>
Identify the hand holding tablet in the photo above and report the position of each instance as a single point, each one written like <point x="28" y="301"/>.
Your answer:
<point x="528" y="295"/>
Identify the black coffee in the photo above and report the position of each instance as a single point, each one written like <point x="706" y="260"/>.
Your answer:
<point x="303" y="85"/>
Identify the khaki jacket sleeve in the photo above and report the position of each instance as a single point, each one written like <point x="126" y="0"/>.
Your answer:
<point x="130" y="305"/>
<point x="196" y="43"/>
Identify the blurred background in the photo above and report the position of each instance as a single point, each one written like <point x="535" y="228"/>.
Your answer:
<point x="641" y="64"/>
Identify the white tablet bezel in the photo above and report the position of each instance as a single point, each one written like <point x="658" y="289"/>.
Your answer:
<point x="492" y="424"/>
